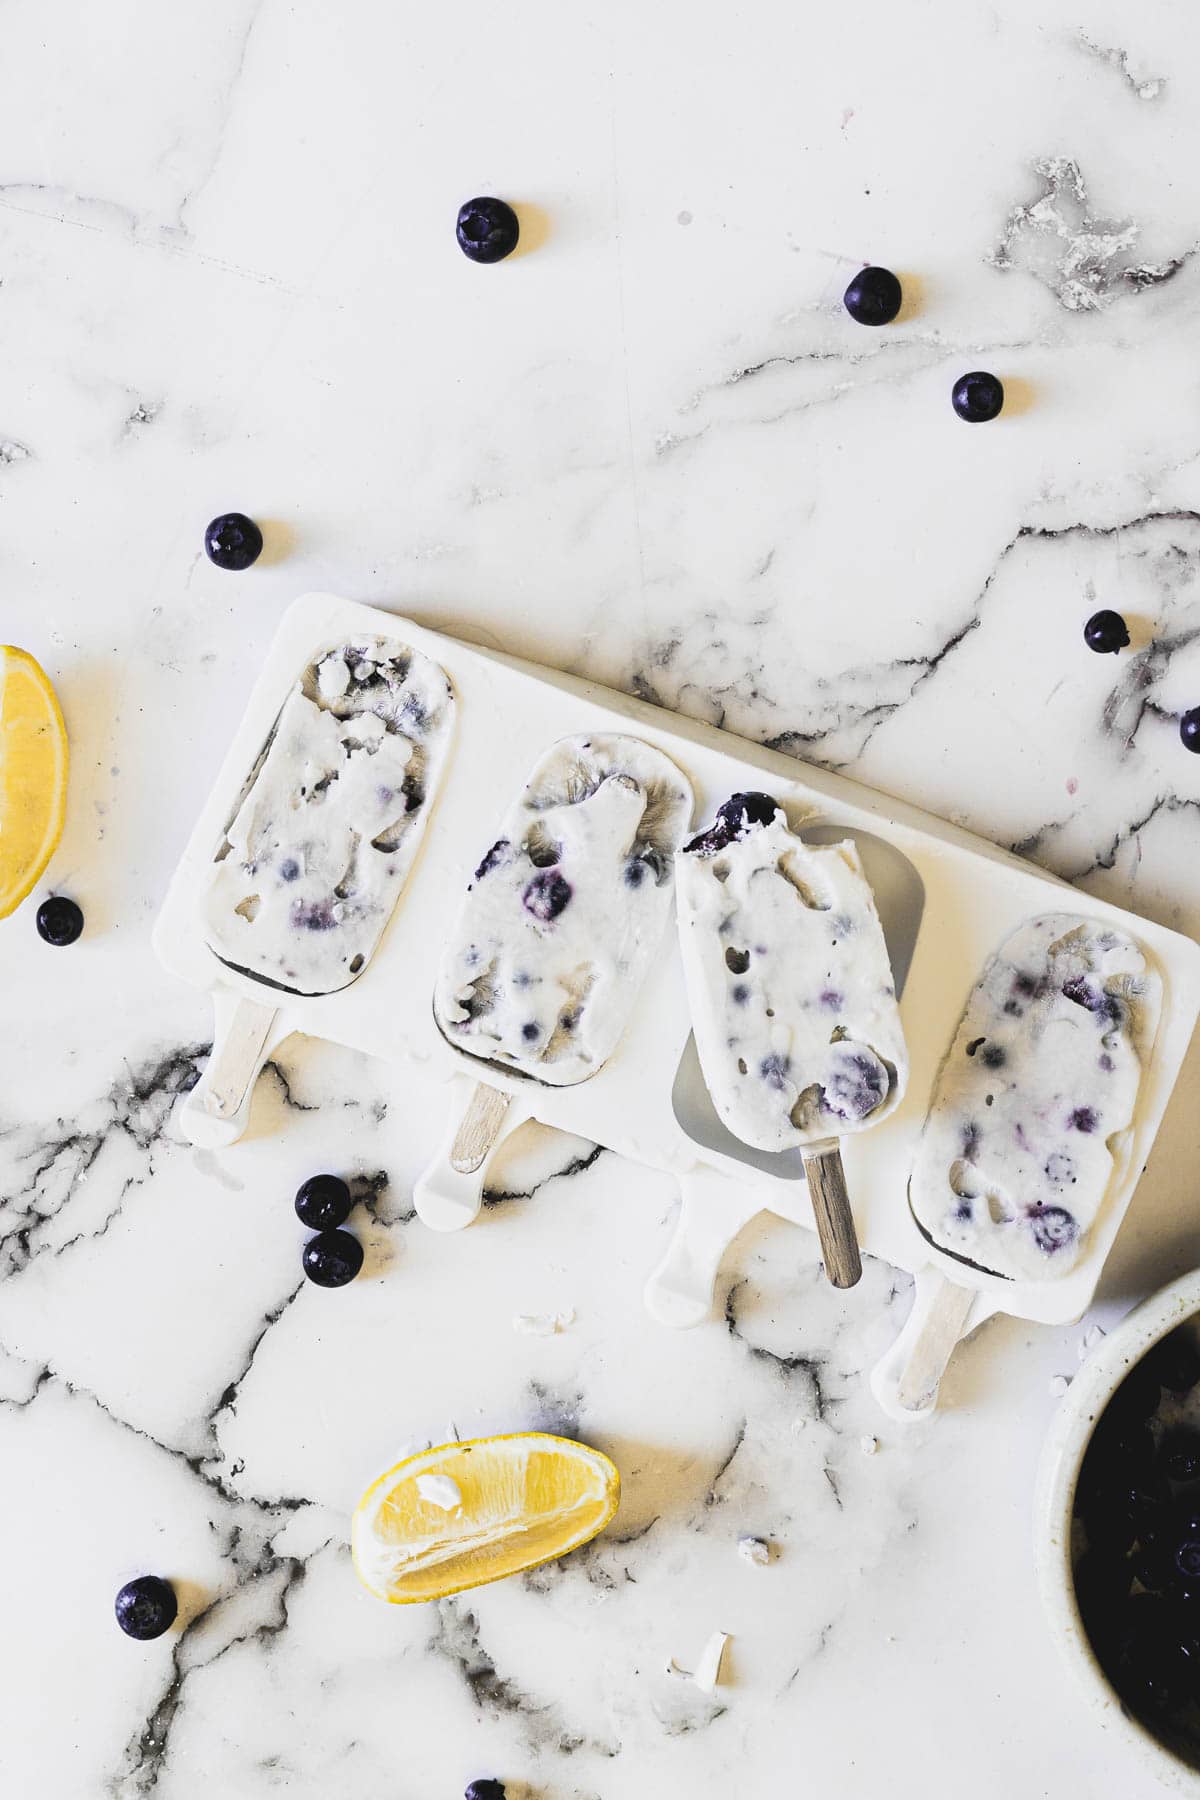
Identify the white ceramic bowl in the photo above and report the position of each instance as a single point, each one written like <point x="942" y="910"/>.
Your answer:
<point x="1070" y="1434"/>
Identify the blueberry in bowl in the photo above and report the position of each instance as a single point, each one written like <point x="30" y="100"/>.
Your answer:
<point x="1118" y="1541"/>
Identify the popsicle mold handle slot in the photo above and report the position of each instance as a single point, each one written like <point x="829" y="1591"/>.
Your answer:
<point x="905" y="1381"/>
<point x="831" y="1214"/>
<point x="217" y="1110"/>
<point x="712" y="1210"/>
<point x="449" y="1193"/>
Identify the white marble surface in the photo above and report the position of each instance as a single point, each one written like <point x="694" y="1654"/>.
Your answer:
<point x="650" y="448"/>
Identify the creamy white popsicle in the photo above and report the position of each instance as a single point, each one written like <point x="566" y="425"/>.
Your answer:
<point x="315" y="857"/>
<point x="791" y="992"/>
<point x="1034" y="1097"/>
<point x="566" y="911"/>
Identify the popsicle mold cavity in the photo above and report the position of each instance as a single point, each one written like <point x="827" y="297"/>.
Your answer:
<point x="792" y="998"/>
<point x="1036" y="1097"/>
<point x="566" y="910"/>
<point x="314" y="859"/>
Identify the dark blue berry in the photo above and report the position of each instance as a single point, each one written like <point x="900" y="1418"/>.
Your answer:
<point x="59" y="921"/>
<point x="487" y="229"/>
<point x="547" y="895"/>
<point x="322" y="1202"/>
<point x="485" y="1790"/>
<point x="145" y="1608"/>
<point x="1176" y="1362"/>
<point x="1189" y="729"/>
<point x="531" y="1031"/>
<point x="1106" y="632"/>
<point x="332" y="1258"/>
<point x="858" y="1083"/>
<point x="733" y="820"/>
<point x="977" y="397"/>
<point x="500" y="852"/>
<point x="1053" y="1228"/>
<point x="1084" y="1119"/>
<point x="1179" y="1455"/>
<point x="233" y="541"/>
<point x="774" y="1070"/>
<point x="873" y="297"/>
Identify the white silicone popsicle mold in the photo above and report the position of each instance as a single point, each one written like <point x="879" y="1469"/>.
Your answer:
<point x="972" y="895"/>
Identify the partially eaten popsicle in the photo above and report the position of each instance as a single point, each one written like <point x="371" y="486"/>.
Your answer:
<point x="1036" y="1097"/>
<point x="562" y="921"/>
<point x="792" y="998"/>
<point x="324" y="835"/>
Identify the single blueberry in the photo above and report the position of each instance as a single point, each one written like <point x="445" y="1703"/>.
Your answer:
<point x="289" y="869"/>
<point x="858" y="1083"/>
<point x="1179" y="1454"/>
<point x="1176" y="1362"/>
<point x="530" y="1031"/>
<point x="635" y="872"/>
<point x="994" y="1057"/>
<point x="774" y="1070"/>
<point x="546" y="895"/>
<point x="873" y="297"/>
<point x="59" y="921"/>
<point x="332" y="1258"/>
<point x="1189" y="729"/>
<point x="833" y="1000"/>
<point x="485" y="1790"/>
<point x="739" y="993"/>
<point x="322" y="1202"/>
<point x="743" y="810"/>
<point x="146" y="1607"/>
<point x="487" y="229"/>
<point x="1053" y="1228"/>
<point x="1084" y="1119"/>
<point x="977" y="397"/>
<point x="1106" y="632"/>
<point x="499" y="852"/>
<point x="233" y="541"/>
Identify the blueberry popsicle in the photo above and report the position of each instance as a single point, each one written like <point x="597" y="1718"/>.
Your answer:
<point x="566" y="911"/>
<point x="325" y="833"/>
<point x="792" y="999"/>
<point x="791" y="990"/>
<point x="1035" y="1097"/>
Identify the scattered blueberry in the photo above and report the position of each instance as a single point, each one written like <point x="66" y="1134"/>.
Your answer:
<point x="774" y="1070"/>
<point x="873" y="297"/>
<point x="1106" y="632"/>
<point x="1053" y="1228"/>
<point x="1084" y="1119"/>
<point x="59" y="921"/>
<point x="146" y="1607"/>
<point x="485" y="1790"/>
<point x="1189" y="729"/>
<point x="546" y="895"/>
<point x="332" y="1258"/>
<point x="233" y="541"/>
<point x="531" y="1031"/>
<point x="322" y="1202"/>
<point x="977" y="397"/>
<point x="487" y="229"/>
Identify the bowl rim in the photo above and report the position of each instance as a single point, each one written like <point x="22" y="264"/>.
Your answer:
<point x="1058" y="1470"/>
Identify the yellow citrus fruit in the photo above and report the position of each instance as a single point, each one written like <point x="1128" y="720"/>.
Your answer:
<point x="33" y="774"/>
<point x="463" y="1514"/>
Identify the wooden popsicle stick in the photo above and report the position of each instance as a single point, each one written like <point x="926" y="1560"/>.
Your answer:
<point x="236" y="1058"/>
<point x="831" y="1212"/>
<point x="934" y="1345"/>
<point x="479" y="1129"/>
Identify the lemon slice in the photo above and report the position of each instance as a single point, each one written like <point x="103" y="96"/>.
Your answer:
<point x="33" y="774"/>
<point x="463" y="1514"/>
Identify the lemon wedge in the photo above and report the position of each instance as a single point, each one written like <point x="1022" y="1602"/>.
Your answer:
<point x="33" y="774"/>
<point x="464" y="1514"/>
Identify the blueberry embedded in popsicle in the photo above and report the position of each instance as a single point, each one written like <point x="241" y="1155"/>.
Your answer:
<point x="547" y="895"/>
<point x="1053" y="1228"/>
